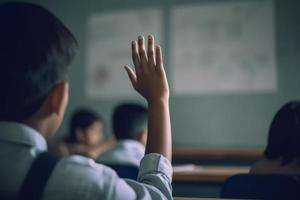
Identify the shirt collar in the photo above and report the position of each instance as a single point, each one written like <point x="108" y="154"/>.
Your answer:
<point x="131" y="144"/>
<point x="22" y="134"/>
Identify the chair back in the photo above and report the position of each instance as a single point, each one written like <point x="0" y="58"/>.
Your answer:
<point x="253" y="186"/>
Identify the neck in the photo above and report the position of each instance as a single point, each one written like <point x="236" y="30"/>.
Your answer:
<point x="37" y="125"/>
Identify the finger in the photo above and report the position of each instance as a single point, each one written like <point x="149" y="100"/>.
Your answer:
<point x="150" y="51"/>
<point x="135" y="57"/>
<point x="159" y="60"/>
<point x="131" y="75"/>
<point x="142" y="53"/>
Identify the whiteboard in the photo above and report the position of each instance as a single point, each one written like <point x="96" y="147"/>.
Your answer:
<point x="223" y="47"/>
<point x="109" y="37"/>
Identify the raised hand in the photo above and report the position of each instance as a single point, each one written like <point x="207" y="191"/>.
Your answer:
<point x="149" y="77"/>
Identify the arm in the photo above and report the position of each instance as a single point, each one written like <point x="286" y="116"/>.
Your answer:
<point x="155" y="172"/>
<point x="96" y="151"/>
<point x="149" y="79"/>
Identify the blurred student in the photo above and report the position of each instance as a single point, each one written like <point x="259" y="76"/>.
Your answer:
<point x="130" y="130"/>
<point x="35" y="50"/>
<point x="86" y="135"/>
<point x="282" y="154"/>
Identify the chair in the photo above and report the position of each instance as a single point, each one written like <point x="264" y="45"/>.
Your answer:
<point x="271" y="186"/>
<point x="125" y="171"/>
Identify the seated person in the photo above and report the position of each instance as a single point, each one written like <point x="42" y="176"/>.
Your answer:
<point x="282" y="154"/>
<point x="86" y="133"/>
<point x="130" y="130"/>
<point x="36" y="49"/>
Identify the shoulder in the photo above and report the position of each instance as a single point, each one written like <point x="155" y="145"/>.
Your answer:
<point x="77" y="177"/>
<point x="85" y="166"/>
<point x="80" y="173"/>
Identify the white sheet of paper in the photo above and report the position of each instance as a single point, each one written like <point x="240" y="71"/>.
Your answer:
<point x="223" y="47"/>
<point x="109" y="38"/>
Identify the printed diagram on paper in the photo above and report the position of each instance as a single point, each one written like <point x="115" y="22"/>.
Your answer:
<point x="223" y="47"/>
<point x="109" y="39"/>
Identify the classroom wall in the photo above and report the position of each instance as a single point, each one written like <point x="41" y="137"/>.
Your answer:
<point x="238" y="120"/>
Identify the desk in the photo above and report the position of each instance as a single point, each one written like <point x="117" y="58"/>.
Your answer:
<point x="184" y="198"/>
<point x="202" y="181"/>
<point x="198" y="154"/>
<point x="216" y="174"/>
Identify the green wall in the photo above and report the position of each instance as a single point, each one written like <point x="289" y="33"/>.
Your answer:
<point x="239" y="120"/>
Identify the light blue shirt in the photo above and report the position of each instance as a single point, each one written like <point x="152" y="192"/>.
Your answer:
<point x="126" y="152"/>
<point x="76" y="177"/>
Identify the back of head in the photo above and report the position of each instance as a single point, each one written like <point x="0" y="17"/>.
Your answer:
<point x="35" y="50"/>
<point x="284" y="134"/>
<point x="129" y="120"/>
<point x="82" y="119"/>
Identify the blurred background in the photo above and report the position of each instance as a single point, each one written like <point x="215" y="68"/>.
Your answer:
<point x="231" y="63"/>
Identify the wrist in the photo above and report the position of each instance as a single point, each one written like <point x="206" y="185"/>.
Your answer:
<point x="158" y="101"/>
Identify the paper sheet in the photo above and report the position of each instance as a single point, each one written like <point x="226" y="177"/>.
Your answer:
<point x="223" y="47"/>
<point x="109" y="37"/>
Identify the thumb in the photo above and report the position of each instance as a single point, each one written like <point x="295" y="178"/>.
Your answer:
<point x="131" y="75"/>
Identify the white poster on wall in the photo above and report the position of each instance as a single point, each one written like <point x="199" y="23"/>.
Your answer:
<point x="223" y="47"/>
<point x="109" y="38"/>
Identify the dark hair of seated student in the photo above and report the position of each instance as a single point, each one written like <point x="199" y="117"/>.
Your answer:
<point x="86" y="127"/>
<point x="33" y="69"/>
<point x="284" y="134"/>
<point x="130" y="122"/>
<point x="282" y="154"/>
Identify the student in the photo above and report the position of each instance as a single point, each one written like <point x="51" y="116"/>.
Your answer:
<point x="130" y="129"/>
<point x="86" y="135"/>
<point x="35" y="50"/>
<point x="282" y="154"/>
<point x="86" y="127"/>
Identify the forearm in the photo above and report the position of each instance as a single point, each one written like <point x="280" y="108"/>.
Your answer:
<point x="159" y="129"/>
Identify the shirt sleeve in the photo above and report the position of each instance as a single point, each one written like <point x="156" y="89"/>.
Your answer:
<point x="154" y="181"/>
<point x="156" y="170"/>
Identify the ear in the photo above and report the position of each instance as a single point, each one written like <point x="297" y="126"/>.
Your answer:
<point x="58" y="98"/>
<point x="52" y="111"/>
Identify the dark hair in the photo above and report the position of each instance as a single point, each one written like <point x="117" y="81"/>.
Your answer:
<point x="284" y="134"/>
<point x="82" y="118"/>
<point x="129" y="120"/>
<point x="35" y="50"/>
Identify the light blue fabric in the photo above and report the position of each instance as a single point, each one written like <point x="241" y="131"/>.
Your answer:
<point x="76" y="177"/>
<point x="126" y="152"/>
